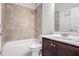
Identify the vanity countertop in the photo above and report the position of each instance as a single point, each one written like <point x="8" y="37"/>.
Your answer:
<point x="75" y="43"/>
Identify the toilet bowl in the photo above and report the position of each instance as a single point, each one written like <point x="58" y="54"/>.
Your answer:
<point x="35" y="49"/>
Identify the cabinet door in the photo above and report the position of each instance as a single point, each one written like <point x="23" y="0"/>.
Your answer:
<point x="65" y="50"/>
<point x="77" y="51"/>
<point x="47" y="48"/>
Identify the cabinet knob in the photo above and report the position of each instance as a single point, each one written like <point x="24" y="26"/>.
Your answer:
<point x="51" y="44"/>
<point x="54" y="45"/>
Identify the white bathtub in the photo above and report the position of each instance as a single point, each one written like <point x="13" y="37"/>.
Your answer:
<point x="18" y="48"/>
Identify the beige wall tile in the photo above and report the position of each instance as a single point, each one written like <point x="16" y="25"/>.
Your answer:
<point x="38" y="21"/>
<point x="19" y="23"/>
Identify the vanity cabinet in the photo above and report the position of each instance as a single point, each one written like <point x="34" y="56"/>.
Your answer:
<point x="55" y="48"/>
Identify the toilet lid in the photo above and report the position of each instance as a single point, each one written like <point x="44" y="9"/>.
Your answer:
<point x="36" y="45"/>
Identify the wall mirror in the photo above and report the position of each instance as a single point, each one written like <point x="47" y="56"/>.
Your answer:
<point x="67" y="17"/>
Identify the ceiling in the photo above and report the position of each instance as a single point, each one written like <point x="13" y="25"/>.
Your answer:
<point x="29" y="5"/>
<point x="63" y="6"/>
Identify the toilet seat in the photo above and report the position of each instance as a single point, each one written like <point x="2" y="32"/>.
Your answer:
<point x="35" y="45"/>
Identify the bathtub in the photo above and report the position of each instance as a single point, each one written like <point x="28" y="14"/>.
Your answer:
<point x="18" y="48"/>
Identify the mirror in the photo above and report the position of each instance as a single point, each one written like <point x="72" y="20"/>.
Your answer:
<point x="67" y="17"/>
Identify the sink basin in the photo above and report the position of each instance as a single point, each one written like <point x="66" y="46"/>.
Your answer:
<point x="74" y="38"/>
<point x="58" y="36"/>
<point x="65" y="34"/>
<point x="69" y="37"/>
<point x="61" y="37"/>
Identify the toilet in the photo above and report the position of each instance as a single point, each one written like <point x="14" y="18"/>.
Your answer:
<point x="36" y="47"/>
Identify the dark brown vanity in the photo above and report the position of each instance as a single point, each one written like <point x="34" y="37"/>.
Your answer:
<point x="56" y="48"/>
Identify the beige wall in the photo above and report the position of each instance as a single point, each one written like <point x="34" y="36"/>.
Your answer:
<point x="38" y="21"/>
<point x="19" y="23"/>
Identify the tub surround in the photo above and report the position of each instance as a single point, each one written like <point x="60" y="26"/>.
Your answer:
<point x="21" y="22"/>
<point x="18" y="23"/>
<point x="38" y="22"/>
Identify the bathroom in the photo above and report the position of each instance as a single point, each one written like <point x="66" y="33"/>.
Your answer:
<point x="37" y="29"/>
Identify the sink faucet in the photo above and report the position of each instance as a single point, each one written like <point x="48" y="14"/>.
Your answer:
<point x="65" y="34"/>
